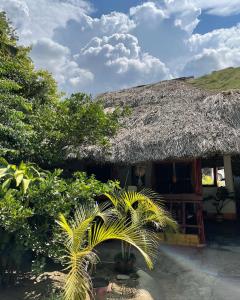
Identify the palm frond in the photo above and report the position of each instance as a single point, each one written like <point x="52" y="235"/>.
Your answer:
<point x="113" y="198"/>
<point x="78" y="282"/>
<point x="129" y="233"/>
<point x="83" y="234"/>
<point x="144" y="207"/>
<point x="66" y="229"/>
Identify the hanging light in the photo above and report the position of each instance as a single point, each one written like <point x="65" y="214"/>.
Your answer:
<point x="140" y="171"/>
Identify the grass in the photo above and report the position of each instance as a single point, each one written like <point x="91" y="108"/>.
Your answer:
<point x="226" y="79"/>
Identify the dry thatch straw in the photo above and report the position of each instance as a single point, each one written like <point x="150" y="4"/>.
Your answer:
<point x="170" y="120"/>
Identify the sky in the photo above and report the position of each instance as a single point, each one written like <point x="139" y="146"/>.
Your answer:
<point x="95" y="46"/>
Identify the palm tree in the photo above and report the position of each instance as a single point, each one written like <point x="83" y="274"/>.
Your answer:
<point x="90" y="226"/>
<point x="144" y="207"/>
<point x="141" y="209"/>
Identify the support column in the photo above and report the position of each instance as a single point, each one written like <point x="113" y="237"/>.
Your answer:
<point x="230" y="210"/>
<point x="228" y="172"/>
<point x="148" y="176"/>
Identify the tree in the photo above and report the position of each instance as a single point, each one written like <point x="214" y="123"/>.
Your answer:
<point x="84" y="233"/>
<point x="73" y="122"/>
<point x="22" y="89"/>
<point x="36" y="123"/>
<point x="144" y="210"/>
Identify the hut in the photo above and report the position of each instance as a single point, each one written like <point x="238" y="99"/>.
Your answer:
<point x="175" y="137"/>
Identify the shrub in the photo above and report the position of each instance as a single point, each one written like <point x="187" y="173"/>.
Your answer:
<point x="27" y="216"/>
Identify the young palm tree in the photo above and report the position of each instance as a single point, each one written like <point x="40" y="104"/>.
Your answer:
<point x="141" y="209"/>
<point x="144" y="207"/>
<point x="90" y="227"/>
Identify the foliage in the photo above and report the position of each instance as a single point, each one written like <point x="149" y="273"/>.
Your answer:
<point x="36" y="123"/>
<point x="70" y="123"/>
<point x="13" y="213"/>
<point x="142" y="209"/>
<point x="21" y="88"/>
<point x="22" y="175"/>
<point x="38" y="266"/>
<point x="27" y="216"/>
<point x="221" y="199"/>
<point x="222" y="80"/>
<point x="86" y="231"/>
<point x="12" y="255"/>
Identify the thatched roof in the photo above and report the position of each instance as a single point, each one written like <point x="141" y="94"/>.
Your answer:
<point x="171" y="119"/>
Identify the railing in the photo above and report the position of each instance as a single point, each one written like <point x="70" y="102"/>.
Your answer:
<point x="189" y="215"/>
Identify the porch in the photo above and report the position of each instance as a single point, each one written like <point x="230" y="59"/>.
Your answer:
<point x="183" y="187"/>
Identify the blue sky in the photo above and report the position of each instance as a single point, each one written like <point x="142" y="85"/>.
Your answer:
<point x="102" y="45"/>
<point x="107" y="6"/>
<point x="210" y="22"/>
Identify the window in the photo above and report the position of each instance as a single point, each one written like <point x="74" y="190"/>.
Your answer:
<point x="213" y="176"/>
<point x="208" y="177"/>
<point x="221" y="177"/>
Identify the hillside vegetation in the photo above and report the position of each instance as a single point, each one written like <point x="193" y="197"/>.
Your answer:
<point x="222" y="80"/>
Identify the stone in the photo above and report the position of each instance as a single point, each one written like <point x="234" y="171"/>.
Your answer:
<point x="123" y="277"/>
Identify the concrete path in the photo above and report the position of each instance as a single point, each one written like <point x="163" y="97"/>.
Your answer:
<point x="182" y="273"/>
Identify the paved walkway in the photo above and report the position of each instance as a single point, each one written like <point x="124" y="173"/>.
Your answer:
<point x="198" y="274"/>
<point x="183" y="273"/>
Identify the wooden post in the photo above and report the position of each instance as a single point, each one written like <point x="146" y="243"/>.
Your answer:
<point x="231" y="208"/>
<point x="228" y="172"/>
<point x="148" y="175"/>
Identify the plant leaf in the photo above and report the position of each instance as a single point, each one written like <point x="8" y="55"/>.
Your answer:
<point x="25" y="184"/>
<point x="18" y="177"/>
<point x="6" y="184"/>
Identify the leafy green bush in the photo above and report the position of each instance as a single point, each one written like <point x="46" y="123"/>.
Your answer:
<point x="37" y="124"/>
<point x="27" y="216"/>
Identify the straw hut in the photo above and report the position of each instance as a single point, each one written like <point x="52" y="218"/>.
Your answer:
<point x="175" y="134"/>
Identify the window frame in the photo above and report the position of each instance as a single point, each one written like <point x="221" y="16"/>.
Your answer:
<point x="214" y="174"/>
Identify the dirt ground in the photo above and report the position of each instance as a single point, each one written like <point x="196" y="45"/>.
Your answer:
<point x="180" y="273"/>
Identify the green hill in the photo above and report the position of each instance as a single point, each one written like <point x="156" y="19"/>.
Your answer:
<point x="222" y="80"/>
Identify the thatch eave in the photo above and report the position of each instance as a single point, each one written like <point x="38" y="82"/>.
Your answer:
<point x="170" y="120"/>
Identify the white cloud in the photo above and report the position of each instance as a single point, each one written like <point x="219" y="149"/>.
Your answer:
<point x="86" y="28"/>
<point x="58" y="60"/>
<point x="213" y="51"/>
<point x="219" y="38"/>
<point x="205" y="62"/>
<point x="117" y="62"/>
<point x="154" y="41"/>
<point x="141" y="14"/>
<point x="214" y="7"/>
<point x="219" y="7"/>
<point x="184" y="12"/>
<point x="38" y="19"/>
<point x="163" y="30"/>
